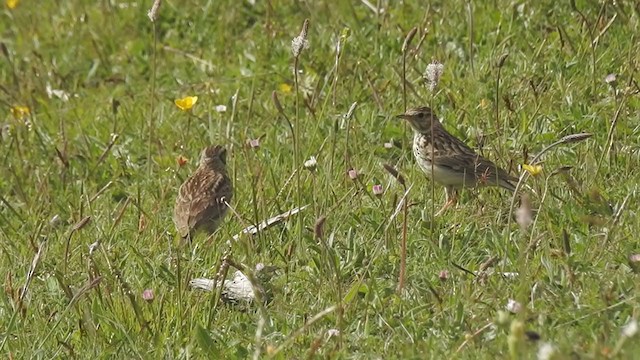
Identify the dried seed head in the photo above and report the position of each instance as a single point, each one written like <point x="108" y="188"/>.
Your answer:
<point x="153" y="12"/>
<point x="4" y="50"/>
<point x="433" y="74"/>
<point x="575" y="137"/>
<point x="276" y="103"/>
<point x="318" y="228"/>
<point x="408" y="39"/>
<point x="391" y="170"/>
<point x="502" y="59"/>
<point x="300" y="42"/>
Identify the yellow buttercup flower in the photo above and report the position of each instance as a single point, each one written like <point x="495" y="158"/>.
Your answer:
<point x="12" y="4"/>
<point x="284" y="88"/>
<point x="20" y="112"/>
<point x="186" y="103"/>
<point x="534" y="170"/>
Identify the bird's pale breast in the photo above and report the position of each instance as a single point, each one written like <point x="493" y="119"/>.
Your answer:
<point x="423" y="151"/>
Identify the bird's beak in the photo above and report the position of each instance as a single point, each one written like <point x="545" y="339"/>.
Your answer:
<point x="402" y="116"/>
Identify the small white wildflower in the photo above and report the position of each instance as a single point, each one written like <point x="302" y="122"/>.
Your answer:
<point x="93" y="247"/>
<point x="332" y="332"/>
<point x="611" y="79"/>
<point x="55" y="221"/>
<point x="60" y="94"/>
<point x="510" y="275"/>
<point x="147" y="295"/>
<point x="630" y="329"/>
<point x="546" y="351"/>
<point x="513" y="306"/>
<point x="254" y="143"/>
<point x="433" y="74"/>
<point x="311" y="164"/>
<point x="153" y="12"/>
<point x="221" y="108"/>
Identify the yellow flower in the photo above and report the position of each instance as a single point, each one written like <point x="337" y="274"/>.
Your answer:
<point x="284" y="88"/>
<point x="186" y="103"/>
<point x="11" y="4"/>
<point x="534" y="170"/>
<point x="20" y="112"/>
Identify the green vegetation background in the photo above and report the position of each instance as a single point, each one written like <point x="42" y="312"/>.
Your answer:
<point x="101" y="167"/>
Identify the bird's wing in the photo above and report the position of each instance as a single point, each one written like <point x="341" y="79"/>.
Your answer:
<point x="480" y="167"/>
<point x="458" y="156"/>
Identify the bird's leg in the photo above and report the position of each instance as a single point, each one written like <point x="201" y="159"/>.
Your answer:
<point x="451" y="196"/>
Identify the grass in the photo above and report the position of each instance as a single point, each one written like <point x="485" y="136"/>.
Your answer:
<point x="103" y="164"/>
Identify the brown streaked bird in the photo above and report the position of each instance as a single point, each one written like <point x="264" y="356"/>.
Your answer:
<point x="447" y="160"/>
<point x="200" y="204"/>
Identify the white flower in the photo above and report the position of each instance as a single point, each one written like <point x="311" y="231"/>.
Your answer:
<point x="630" y="329"/>
<point x="93" y="247"/>
<point x="610" y="79"/>
<point x="332" y="332"/>
<point x="60" y="94"/>
<point x="221" y="108"/>
<point x="546" y="351"/>
<point x="311" y="164"/>
<point x="513" y="306"/>
<point x="55" y="221"/>
<point x="254" y="143"/>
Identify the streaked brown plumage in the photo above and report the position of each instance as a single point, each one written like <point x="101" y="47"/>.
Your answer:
<point x="449" y="161"/>
<point x="200" y="204"/>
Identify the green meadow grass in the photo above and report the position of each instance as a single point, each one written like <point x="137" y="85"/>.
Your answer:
<point x="103" y="164"/>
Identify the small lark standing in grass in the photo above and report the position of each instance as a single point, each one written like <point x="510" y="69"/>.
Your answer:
<point x="200" y="204"/>
<point x="449" y="161"/>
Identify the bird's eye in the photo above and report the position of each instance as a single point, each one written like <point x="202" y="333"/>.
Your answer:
<point x="420" y="115"/>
